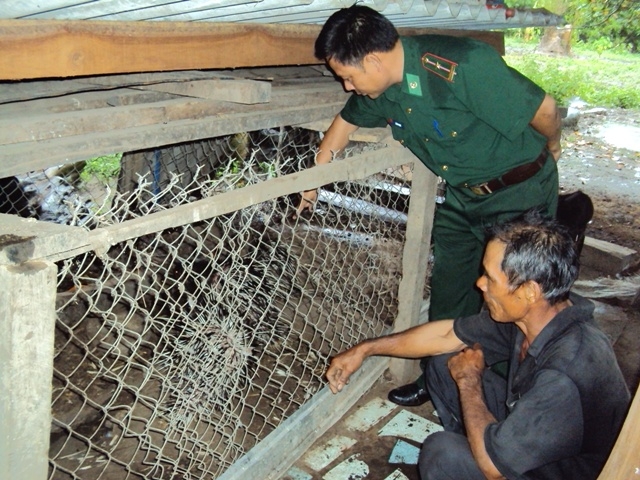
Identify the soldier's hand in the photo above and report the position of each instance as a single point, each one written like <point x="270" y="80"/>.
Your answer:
<point x="308" y="200"/>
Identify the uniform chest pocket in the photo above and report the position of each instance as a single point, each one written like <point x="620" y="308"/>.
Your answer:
<point x="452" y="125"/>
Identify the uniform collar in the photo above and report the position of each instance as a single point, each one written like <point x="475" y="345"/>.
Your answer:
<point x="395" y="92"/>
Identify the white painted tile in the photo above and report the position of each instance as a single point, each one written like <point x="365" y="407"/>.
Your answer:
<point x="296" y="473"/>
<point x="397" y="475"/>
<point x="410" y="426"/>
<point x="352" y="469"/>
<point x="404" y="452"/>
<point x="369" y="415"/>
<point x="321" y="456"/>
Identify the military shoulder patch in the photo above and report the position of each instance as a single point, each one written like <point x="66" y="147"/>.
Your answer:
<point x="440" y="66"/>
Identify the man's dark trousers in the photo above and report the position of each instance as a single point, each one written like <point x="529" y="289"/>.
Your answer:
<point x="447" y="455"/>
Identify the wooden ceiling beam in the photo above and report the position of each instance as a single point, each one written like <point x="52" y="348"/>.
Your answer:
<point x="48" y="48"/>
<point x="31" y="49"/>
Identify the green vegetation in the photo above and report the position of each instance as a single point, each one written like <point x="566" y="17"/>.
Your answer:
<point x="103" y="168"/>
<point x="604" y="24"/>
<point x="601" y="79"/>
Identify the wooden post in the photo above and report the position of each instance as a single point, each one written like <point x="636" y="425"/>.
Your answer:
<point x="624" y="461"/>
<point x="27" y="324"/>
<point x="414" y="261"/>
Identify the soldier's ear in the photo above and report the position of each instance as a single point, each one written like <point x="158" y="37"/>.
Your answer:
<point x="372" y="60"/>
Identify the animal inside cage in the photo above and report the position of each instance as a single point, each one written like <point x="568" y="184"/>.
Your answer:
<point x="181" y="346"/>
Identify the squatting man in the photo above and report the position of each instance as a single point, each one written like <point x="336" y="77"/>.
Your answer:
<point x="558" y="412"/>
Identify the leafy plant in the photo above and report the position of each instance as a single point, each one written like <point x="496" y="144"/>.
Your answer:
<point x="103" y="168"/>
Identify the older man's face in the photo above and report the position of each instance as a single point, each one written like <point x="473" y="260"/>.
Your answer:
<point x="503" y="304"/>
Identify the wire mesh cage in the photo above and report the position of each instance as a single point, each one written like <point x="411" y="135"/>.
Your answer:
<point x="177" y="351"/>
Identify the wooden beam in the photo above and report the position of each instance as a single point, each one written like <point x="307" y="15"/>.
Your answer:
<point x="415" y="258"/>
<point x="247" y="92"/>
<point x="623" y="463"/>
<point x="49" y="48"/>
<point x="191" y="120"/>
<point x="52" y="49"/>
<point x="274" y="455"/>
<point x="607" y="257"/>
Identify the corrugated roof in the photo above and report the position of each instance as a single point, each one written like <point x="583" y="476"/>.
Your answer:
<point x="458" y="14"/>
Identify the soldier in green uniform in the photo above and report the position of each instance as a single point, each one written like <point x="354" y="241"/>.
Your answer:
<point x="488" y="131"/>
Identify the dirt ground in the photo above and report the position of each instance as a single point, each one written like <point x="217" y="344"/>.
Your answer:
<point x="601" y="157"/>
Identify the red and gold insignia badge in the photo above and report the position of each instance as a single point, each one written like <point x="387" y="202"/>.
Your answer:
<point x="440" y="66"/>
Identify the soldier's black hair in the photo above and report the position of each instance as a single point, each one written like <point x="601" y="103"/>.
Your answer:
<point x="352" y="33"/>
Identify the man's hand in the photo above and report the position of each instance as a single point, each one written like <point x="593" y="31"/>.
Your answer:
<point x="467" y="365"/>
<point x="466" y="369"/>
<point x="308" y="200"/>
<point x="341" y="368"/>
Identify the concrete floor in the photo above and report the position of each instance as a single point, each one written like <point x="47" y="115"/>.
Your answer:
<point x="378" y="440"/>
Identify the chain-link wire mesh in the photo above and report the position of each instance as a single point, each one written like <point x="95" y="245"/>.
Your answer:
<point x="177" y="352"/>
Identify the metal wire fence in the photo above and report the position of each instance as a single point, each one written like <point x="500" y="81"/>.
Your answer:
<point x="178" y="351"/>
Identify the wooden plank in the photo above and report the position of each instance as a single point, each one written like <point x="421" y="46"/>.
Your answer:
<point x="274" y="455"/>
<point x="63" y="242"/>
<point x="286" y="108"/>
<point x="29" y="90"/>
<point x="49" y="48"/>
<point x="22" y="239"/>
<point x="27" y="309"/>
<point x="81" y="101"/>
<point x="624" y="461"/>
<point x="606" y="257"/>
<point x="415" y="257"/>
<point x="17" y="128"/>
<point x="238" y="91"/>
<point x="38" y="128"/>
<point x="370" y="135"/>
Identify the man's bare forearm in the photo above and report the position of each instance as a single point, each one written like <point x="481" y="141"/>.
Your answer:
<point x="335" y="139"/>
<point x="477" y="417"/>
<point x="431" y="338"/>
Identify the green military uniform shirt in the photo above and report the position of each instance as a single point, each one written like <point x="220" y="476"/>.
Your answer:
<point x="460" y="109"/>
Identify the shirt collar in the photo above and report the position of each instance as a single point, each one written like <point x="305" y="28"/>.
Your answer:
<point x="394" y="92"/>
<point x="581" y="310"/>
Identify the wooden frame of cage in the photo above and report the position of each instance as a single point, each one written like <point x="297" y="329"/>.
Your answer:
<point x="27" y="273"/>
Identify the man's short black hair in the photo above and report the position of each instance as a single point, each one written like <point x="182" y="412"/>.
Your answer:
<point x="538" y="249"/>
<point x="352" y="33"/>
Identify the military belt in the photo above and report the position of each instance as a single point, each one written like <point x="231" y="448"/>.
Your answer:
<point x="512" y="177"/>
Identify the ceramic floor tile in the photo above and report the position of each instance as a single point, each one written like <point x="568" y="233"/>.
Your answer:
<point x="410" y="426"/>
<point x="321" y="456"/>
<point x="352" y="469"/>
<point x="370" y="414"/>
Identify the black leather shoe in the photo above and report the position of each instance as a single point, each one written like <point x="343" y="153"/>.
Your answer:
<point x="410" y="395"/>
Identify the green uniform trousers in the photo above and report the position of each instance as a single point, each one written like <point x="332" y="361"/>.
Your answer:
<point x="459" y="236"/>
